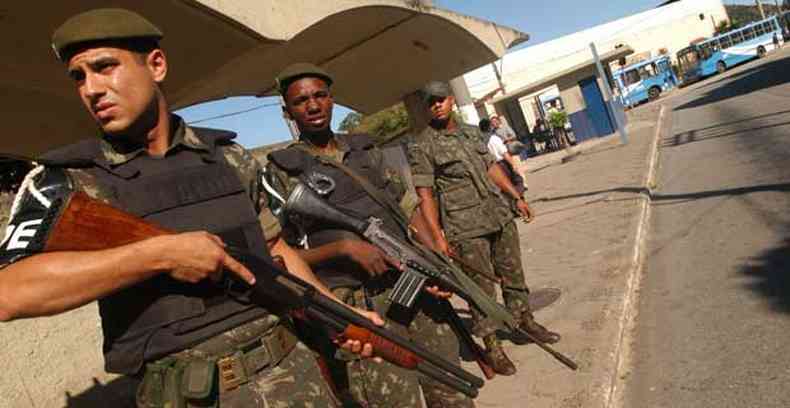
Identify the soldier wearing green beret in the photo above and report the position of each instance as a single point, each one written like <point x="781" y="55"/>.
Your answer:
<point x="472" y="218"/>
<point x="164" y="322"/>
<point x="357" y="271"/>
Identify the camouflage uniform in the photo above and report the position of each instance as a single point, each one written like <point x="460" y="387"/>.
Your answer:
<point x="296" y="379"/>
<point x="477" y="220"/>
<point x="384" y="384"/>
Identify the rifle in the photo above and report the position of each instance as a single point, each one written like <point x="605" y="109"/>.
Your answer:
<point x="417" y="269"/>
<point x="418" y="266"/>
<point x="81" y="223"/>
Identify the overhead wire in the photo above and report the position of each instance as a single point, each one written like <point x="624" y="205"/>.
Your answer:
<point x="235" y="113"/>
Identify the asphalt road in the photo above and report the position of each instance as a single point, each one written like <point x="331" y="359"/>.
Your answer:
<point x="713" y="328"/>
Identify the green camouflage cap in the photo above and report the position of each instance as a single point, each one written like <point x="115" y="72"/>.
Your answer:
<point x="298" y="71"/>
<point x="436" y="88"/>
<point x="102" y="25"/>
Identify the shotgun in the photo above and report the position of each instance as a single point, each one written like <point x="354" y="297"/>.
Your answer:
<point x="81" y="223"/>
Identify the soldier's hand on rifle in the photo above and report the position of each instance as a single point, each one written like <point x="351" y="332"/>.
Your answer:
<point x="372" y="259"/>
<point x="444" y="247"/>
<point x="194" y="256"/>
<point x="438" y="292"/>
<point x="525" y="211"/>
<point x="355" y="346"/>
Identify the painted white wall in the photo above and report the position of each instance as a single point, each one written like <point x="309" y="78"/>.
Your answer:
<point x="672" y="27"/>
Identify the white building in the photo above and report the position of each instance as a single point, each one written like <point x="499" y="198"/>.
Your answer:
<point x="532" y="71"/>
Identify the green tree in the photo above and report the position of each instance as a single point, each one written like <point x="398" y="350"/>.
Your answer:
<point x="558" y="119"/>
<point x="381" y="125"/>
<point x="350" y="122"/>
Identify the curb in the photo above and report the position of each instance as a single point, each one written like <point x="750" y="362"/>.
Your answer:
<point x="613" y="393"/>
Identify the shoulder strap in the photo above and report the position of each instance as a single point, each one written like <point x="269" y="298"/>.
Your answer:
<point x="376" y="194"/>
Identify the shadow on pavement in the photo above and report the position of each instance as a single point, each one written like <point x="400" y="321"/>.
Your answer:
<point x="770" y="275"/>
<point x="721" y="130"/>
<point x="758" y="77"/>
<point x="118" y="393"/>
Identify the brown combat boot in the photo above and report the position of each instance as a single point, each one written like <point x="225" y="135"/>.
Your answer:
<point x="496" y="356"/>
<point x="529" y="325"/>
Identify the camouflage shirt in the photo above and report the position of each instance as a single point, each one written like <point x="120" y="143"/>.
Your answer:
<point x="184" y="137"/>
<point x="455" y="164"/>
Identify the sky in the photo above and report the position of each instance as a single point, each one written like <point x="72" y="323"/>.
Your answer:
<point x="543" y="20"/>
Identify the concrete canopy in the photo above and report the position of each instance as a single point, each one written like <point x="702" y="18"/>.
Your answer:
<point x="378" y="51"/>
<point x="561" y="78"/>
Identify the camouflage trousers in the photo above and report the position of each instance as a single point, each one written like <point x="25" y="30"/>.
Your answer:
<point x="387" y="385"/>
<point x="496" y="254"/>
<point x="293" y="381"/>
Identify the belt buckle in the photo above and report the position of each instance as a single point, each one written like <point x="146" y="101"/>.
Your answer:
<point x="231" y="372"/>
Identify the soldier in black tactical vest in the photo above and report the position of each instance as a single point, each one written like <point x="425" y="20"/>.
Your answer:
<point x="462" y="197"/>
<point x="164" y="321"/>
<point x="358" y="272"/>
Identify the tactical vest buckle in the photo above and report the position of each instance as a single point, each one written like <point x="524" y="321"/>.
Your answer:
<point x="231" y="372"/>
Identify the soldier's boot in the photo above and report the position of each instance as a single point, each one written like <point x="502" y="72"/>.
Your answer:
<point x="537" y="330"/>
<point x="496" y="356"/>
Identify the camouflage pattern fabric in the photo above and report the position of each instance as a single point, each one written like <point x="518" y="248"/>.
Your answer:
<point x="386" y="385"/>
<point x="497" y="254"/>
<point x="293" y="381"/>
<point x="455" y="165"/>
<point x="402" y="191"/>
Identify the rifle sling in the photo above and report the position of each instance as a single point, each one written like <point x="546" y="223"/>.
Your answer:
<point x="376" y="194"/>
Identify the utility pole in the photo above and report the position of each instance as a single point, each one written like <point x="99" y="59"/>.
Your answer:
<point x="760" y="7"/>
<point x="608" y="94"/>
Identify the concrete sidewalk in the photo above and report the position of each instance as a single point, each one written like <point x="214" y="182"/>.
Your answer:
<point x="585" y="241"/>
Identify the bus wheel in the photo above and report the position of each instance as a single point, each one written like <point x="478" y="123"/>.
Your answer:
<point x="760" y="51"/>
<point x="653" y="93"/>
<point x="721" y="67"/>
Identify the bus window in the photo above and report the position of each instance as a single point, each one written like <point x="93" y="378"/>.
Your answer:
<point x="737" y="38"/>
<point x="631" y="77"/>
<point x="769" y="26"/>
<point x="725" y="42"/>
<point x="748" y="34"/>
<point x="705" y="50"/>
<point x="647" y="71"/>
<point x="759" y="29"/>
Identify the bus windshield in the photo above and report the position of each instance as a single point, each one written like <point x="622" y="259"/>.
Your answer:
<point x="688" y="59"/>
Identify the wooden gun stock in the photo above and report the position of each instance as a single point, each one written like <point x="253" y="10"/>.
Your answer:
<point x="87" y="224"/>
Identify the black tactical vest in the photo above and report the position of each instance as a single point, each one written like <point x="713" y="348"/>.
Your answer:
<point x="348" y="196"/>
<point x="186" y="191"/>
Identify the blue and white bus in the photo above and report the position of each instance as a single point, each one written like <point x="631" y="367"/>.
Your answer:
<point x="726" y="50"/>
<point x="645" y="81"/>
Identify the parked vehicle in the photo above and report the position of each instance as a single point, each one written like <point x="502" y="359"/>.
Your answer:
<point x="726" y="50"/>
<point x="645" y="81"/>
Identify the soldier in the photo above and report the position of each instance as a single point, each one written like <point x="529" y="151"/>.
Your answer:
<point x="449" y="160"/>
<point x="358" y="272"/>
<point x="162" y="318"/>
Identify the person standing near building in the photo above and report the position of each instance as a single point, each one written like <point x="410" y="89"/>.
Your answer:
<point x="471" y="219"/>
<point x="163" y="317"/>
<point x="498" y="149"/>
<point x="358" y="272"/>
